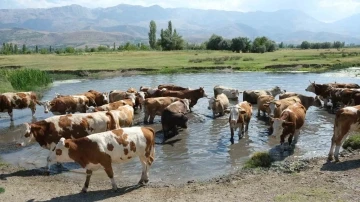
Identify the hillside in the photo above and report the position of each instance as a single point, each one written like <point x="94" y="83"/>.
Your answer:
<point x="195" y="25"/>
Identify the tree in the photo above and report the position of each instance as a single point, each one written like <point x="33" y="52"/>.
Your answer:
<point x="305" y="45"/>
<point x="152" y="34"/>
<point x="15" y="49"/>
<point x="24" y="49"/>
<point x="281" y="45"/>
<point x="213" y="43"/>
<point x="338" y="44"/>
<point x="238" y="44"/>
<point x="225" y="44"/>
<point x="170" y="40"/>
<point x="36" y="49"/>
<point x="114" y="47"/>
<point x="50" y="49"/>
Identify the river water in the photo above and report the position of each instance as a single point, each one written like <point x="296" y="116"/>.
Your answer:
<point x="203" y="150"/>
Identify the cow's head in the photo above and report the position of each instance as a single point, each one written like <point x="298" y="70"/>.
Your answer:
<point x="270" y="107"/>
<point x="105" y="97"/>
<point x="90" y="109"/>
<point x="202" y="92"/>
<point x="47" y="106"/>
<point x="131" y="96"/>
<point x="141" y="96"/>
<point x="279" y="124"/>
<point x="61" y="152"/>
<point x="186" y="104"/>
<point x="26" y="134"/>
<point x="311" y="87"/>
<point x="235" y="113"/>
<point x="276" y="91"/>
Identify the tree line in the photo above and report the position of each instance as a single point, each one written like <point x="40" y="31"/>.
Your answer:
<point x="323" y="45"/>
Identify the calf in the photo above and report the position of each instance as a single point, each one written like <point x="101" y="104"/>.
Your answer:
<point x="346" y="120"/>
<point x="172" y="87"/>
<point x="289" y="124"/>
<point x="306" y="101"/>
<point x="20" y="100"/>
<point x="48" y="132"/>
<point x="230" y="93"/>
<point x="263" y="102"/>
<point x="252" y="95"/>
<point x="155" y="106"/>
<point x="240" y="116"/>
<point x="173" y="116"/>
<point x="219" y="104"/>
<point x="100" y="150"/>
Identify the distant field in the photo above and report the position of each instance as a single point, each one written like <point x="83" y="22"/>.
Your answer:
<point x="187" y="59"/>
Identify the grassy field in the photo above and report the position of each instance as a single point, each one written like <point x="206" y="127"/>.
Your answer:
<point x="186" y="59"/>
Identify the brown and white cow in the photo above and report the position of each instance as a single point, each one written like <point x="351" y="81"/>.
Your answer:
<point x="67" y="104"/>
<point x="251" y="96"/>
<point x="100" y="150"/>
<point x="20" y="100"/>
<point x="124" y="116"/>
<point x="173" y="116"/>
<point x="192" y="95"/>
<point x="138" y="98"/>
<point x="100" y="98"/>
<point x="306" y="101"/>
<point x="230" y="93"/>
<point x="262" y="103"/>
<point x="276" y="107"/>
<point x="289" y="124"/>
<point x="171" y="87"/>
<point x="110" y="106"/>
<point x="219" y="104"/>
<point x="346" y="121"/>
<point x="48" y="132"/>
<point x="155" y="106"/>
<point x="240" y="116"/>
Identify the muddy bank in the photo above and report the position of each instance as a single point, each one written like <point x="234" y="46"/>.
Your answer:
<point x="291" y="180"/>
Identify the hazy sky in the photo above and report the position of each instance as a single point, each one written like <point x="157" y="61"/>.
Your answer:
<point x="324" y="10"/>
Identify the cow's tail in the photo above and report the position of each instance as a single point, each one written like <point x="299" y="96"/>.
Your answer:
<point x="114" y="122"/>
<point x="151" y="157"/>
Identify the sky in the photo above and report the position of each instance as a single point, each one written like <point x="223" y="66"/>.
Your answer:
<point x="323" y="10"/>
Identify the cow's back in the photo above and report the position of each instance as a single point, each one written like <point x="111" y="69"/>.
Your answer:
<point x="300" y="113"/>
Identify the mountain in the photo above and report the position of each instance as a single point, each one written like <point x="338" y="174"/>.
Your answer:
<point x="122" y="22"/>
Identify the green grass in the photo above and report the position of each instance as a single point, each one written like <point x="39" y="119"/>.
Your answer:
<point x="23" y="80"/>
<point x="353" y="142"/>
<point x="301" y="194"/>
<point x="184" y="59"/>
<point x="2" y="190"/>
<point x="259" y="159"/>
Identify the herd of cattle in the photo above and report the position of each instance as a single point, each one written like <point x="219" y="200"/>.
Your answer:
<point x="103" y="132"/>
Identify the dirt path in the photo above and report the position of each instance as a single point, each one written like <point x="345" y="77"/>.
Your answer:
<point x="309" y="180"/>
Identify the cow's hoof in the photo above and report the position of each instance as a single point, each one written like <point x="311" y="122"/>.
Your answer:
<point x="84" y="190"/>
<point x="337" y="159"/>
<point x="143" y="182"/>
<point x="330" y="158"/>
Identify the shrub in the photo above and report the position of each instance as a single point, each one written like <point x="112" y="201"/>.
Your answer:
<point x="218" y="62"/>
<point x="259" y="159"/>
<point x="28" y="79"/>
<point x="248" y="59"/>
<point x="2" y="190"/>
<point x="352" y="143"/>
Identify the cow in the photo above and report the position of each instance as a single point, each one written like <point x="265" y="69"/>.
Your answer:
<point x="155" y="106"/>
<point x="173" y="116"/>
<point x="289" y="124"/>
<point x="110" y="106"/>
<point x="343" y="85"/>
<point x="276" y="107"/>
<point x="306" y="101"/>
<point x="20" y="100"/>
<point x="263" y="99"/>
<point x="67" y="104"/>
<point x="252" y="95"/>
<point x="347" y="120"/>
<point x="152" y="92"/>
<point x="100" y="150"/>
<point x="192" y="95"/>
<point x="137" y="97"/>
<point x="48" y="132"/>
<point x="171" y="87"/>
<point x="231" y="93"/>
<point x="95" y="98"/>
<point x="124" y="116"/>
<point x="219" y="104"/>
<point x="240" y="116"/>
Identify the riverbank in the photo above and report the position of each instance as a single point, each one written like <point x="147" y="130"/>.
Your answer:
<point x="110" y="64"/>
<point x="290" y="180"/>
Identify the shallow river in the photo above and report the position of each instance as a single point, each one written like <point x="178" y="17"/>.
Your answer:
<point x="203" y="150"/>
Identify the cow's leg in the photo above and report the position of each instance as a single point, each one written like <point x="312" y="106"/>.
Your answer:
<point x="247" y="127"/>
<point x="338" y="144"/>
<point x="232" y="135"/>
<point x="10" y="112"/>
<point x="152" y="117"/>
<point x="331" y="152"/>
<point x="241" y="131"/>
<point x="33" y="110"/>
<point x="296" y="136"/>
<point x="290" y="139"/>
<point x="165" y="131"/>
<point x="87" y="181"/>
<point x="282" y="140"/>
<point x="145" y="171"/>
<point x="110" y="173"/>
<point x="214" y="115"/>
<point x="146" y="117"/>
<point x="258" y="114"/>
